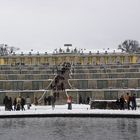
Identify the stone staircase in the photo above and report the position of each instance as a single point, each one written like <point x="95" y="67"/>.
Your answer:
<point x="62" y="99"/>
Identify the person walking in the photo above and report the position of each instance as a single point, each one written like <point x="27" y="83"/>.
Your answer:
<point x="127" y="98"/>
<point x="69" y="101"/>
<point x="133" y="99"/>
<point x="15" y="104"/>
<point x="88" y="100"/>
<point x="5" y="102"/>
<point x="80" y="99"/>
<point x="28" y="102"/>
<point x="22" y="103"/>
<point x="10" y="105"/>
<point x="53" y="102"/>
<point x="18" y="106"/>
<point x="18" y="99"/>
<point x="122" y="102"/>
<point x="45" y="100"/>
<point x="118" y="103"/>
<point x="49" y="100"/>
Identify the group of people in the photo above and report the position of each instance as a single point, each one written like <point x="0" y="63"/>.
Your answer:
<point x="127" y="101"/>
<point x="49" y="100"/>
<point x="17" y="104"/>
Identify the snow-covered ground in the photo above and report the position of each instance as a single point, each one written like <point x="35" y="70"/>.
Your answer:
<point x="62" y="109"/>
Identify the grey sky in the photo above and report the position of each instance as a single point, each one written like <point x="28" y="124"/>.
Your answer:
<point x="44" y="25"/>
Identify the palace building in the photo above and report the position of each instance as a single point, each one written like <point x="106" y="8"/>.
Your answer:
<point x="95" y="75"/>
<point x="72" y="58"/>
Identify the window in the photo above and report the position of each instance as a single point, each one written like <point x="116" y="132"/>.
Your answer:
<point x="36" y="85"/>
<point x="17" y="85"/>
<point x="83" y="84"/>
<point x="110" y="95"/>
<point x="102" y="84"/>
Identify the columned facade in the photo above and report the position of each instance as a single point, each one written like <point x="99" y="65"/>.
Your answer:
<point x="83" y="59"/>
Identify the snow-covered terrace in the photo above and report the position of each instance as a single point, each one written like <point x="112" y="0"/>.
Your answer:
<point x="78" y="110"/>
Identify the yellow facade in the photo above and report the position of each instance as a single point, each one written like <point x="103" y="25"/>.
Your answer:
<point x="1" y="61"/>
<point x="57" y="59"/>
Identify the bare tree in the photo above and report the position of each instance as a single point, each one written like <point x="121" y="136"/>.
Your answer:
<point x="7" y="50"/>
<point x="129" y="46"/>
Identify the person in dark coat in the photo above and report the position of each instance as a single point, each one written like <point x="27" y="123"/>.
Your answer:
<point x="118" y="103"/>
<point x="45" y="100"/>
<point x="49" y="100"/>
<point x="133" y="99"/>
<point x="10" y="108"/>
<point x="122" y="102"/>
<point x="15" y="103"/>
<point x="80" y="99"/>
<point x="53" y="102"/>
<point x="88" y="99"/>
<point x="18" y="106"/>
<point x="22" y="103"/>
<point x="5" y="102"/>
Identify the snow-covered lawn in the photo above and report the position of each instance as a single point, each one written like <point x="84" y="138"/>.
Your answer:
<point x="62" y="109"/>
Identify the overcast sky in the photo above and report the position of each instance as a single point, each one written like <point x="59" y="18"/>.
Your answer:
<point x="43" y="25"/>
